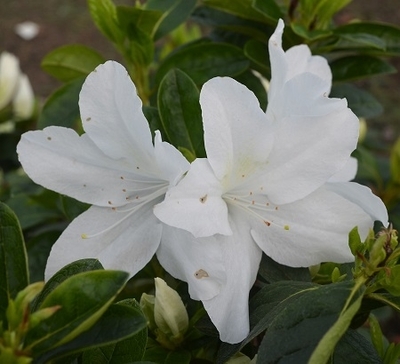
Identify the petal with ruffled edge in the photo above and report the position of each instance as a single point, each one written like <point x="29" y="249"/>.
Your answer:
<point x="307" y="152"/>
<point x="229" y="309"/>
<point x="61" y="160"/>
<point x="195" y="204"/>
<point x="312" y="230"/>
<point x="112" y="116"/>
<point x="363" y="197"/>
<point x="119" y="240"/>
<point x="237" y="134"/>
<point x="199" y="262"/>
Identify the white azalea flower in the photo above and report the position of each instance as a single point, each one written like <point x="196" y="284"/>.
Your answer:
<point x="115" y="167"/>
<point x="266" y="184"/>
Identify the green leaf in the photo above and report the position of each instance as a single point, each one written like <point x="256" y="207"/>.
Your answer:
<point x="268" y="8"/>
<point x="178" y="102"/>
<point x="395" y="162"/>
<point x="272" y="271"/>
<point x="160" y="355"/>
<point x="257" y="52"/>
<point x="355" y="348"/>
<point x="141" y="47"/>
<point x="253" y="83"/>
<point x="80" y="266"/>
<point x="355" y="241"/>
<point x="243" y="9"/>
<point x="357" y="67"/>
<point x="13" y="261"/>
<point x="204" y="61"/>
<point x="327" y="344"/>
<point x="61" y="108"/>
<point x="71" y="61"/>
<point x="174" y="13"/>
<point x="119" y="336"/>
<point x="361" y="102"/>
<point x="104" y="15"/>
<point x="376" y="38"/>
<point x="302" y="317"/>
<point x="83" y="299"/>
<point x="376" y="334"/>
<point x="144" y="19"/>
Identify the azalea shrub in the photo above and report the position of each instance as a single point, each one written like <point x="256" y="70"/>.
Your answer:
<point x="209" y="198"/>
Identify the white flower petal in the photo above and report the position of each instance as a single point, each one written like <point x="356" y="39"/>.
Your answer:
<point x="112" y="116"/>
<point x="236" y="131"/>
<point x="63" y="161"/>
<point x="363" y="197"/>
<point x="307" y="152"/>
<point x="9" y="77"/>
<point x="229" y="309"/>
<point x="120" y="240"/>
<point x="346" y="174"/>
<point x="195" y="204"/>
<point x="199" y="262"/>
<point x="171" y="162"/>
<point x="312" y="230"/>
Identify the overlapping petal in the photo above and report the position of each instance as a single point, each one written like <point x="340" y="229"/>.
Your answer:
<point x="124" y="240"/>
<point x="237" y="133"/>
<point x="196" y="204"/>
<point x="112" y="117"/>
<point x="61" y="160"/>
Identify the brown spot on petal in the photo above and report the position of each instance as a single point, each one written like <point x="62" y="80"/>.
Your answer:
<point x="48" y="138"/>
<point x="203" y="199"/>
<point x="88" y="119"/>
<point x="201" y="273"/>
<point x="267" y="223"/>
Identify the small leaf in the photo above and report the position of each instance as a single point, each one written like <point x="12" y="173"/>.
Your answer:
<point x="71" y="61"/>
<point x="376" y="335"/>
<point x="13" y="261"/>
<point x="204" y="61"/>
<point x="174" y="13"/>
<point x="178" y="102"/>
<point x="354" y="241"/>
<point x="104" y="15"/>
<point x="83" y="298"/>
<point x="61" y="108"/>
<point x="356" y="67"/>
<point x="119" y="336"/>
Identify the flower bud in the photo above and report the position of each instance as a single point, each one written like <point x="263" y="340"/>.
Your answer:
<point x="170" y="314"/>
<point x="9" y="77"/>
<point x="147" y="305"/>
<point x="24" y="99"/>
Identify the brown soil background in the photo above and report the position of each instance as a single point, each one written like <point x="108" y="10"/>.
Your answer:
<point x="68" y="21"/>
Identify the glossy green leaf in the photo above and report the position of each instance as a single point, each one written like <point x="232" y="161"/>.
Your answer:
<point x="80" y="266"/>
<point x="140" y="48"/>
<point x="361" y="102"/>
<point x="72" y="208"/>
<point x="353" y="347"/>
<point x="272" y="271"/>
<point x="257" y="52"/>
<point x="119" y="336"/>
<point x="13" y="261"/>
<point x="153" y="117"/>
<point x="178" y="102"/>
<point x="376" y="335"/>
<point x="61" y="108"/>
<point x="174" y="13"/>
<point x="83" y="298"/>
<point x="269" y="8"/>
<point x="243" y="9"/>
<point x="356" y="67"/>
<point x="104" y="15"/>
<point x="204" y="61"/>
<point x="377" y="38"/>
<point x="302" y="314"/>
<point x="215" y="18"/>
<point x="71" y="61"/>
